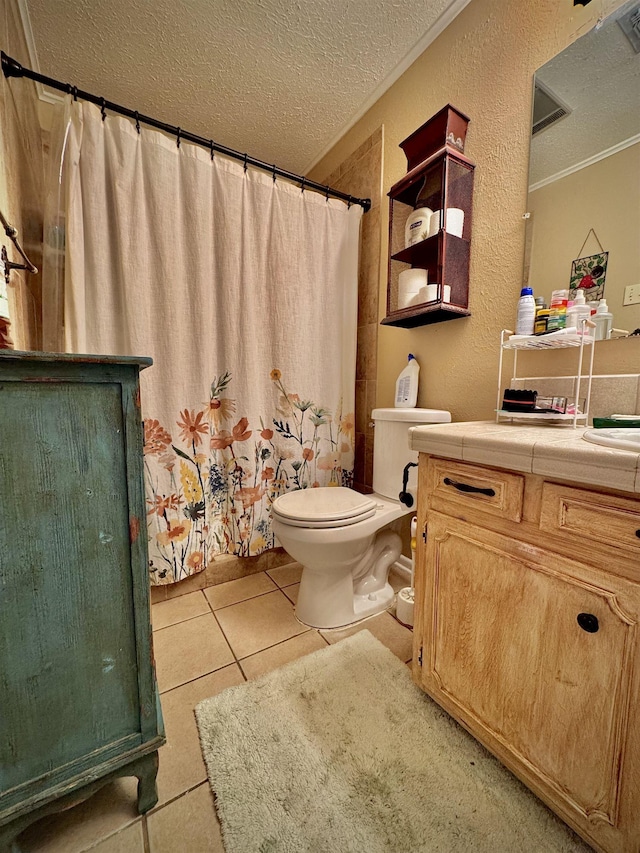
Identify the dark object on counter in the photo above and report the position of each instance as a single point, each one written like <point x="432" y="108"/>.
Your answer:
<point x="619" y="423"/>
<point x="516" y="400"/>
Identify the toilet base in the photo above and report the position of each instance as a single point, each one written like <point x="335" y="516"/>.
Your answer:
<point x="363" y="606"/>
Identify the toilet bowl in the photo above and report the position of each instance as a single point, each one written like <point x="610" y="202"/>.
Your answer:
<point x="341" y="537"/>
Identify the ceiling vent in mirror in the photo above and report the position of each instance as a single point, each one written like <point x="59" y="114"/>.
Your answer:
<point x="630" y="23"/>
<point x="547" y="108"/>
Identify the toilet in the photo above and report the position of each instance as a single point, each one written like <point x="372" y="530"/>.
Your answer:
<point x="341" y="537"/>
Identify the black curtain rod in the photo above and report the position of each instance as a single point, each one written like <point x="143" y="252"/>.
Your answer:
<point x="12" y="68"/>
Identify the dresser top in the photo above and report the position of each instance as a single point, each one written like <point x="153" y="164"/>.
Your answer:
<point x="74" y="358"/>
<point x="552" y="451"/>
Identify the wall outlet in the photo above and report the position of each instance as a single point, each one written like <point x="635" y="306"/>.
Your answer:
<point x="631" y="294"/>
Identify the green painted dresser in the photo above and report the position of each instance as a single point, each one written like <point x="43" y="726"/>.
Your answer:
<point x="78" y="698"/>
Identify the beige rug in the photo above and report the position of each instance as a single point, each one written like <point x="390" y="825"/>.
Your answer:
<point x="339" y="752"/>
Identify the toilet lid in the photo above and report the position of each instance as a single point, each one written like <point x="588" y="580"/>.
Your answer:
<point x="327" y="505"/>
<point x="324" y="525"/>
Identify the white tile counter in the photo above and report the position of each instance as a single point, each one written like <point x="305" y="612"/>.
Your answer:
<point x="552" y="451"/>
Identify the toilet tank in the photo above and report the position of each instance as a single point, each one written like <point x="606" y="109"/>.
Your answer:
<point x="391" y="446"/>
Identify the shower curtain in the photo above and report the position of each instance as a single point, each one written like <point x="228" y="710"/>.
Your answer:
<point x="244" y="291"/>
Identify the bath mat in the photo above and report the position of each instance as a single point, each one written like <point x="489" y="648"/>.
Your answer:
<point x="339" y="752"/>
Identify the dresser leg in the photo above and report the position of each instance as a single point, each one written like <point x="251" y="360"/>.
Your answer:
<point x="146" y="769"/>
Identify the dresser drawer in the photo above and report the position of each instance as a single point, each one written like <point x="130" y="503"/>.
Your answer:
<point x="601" y="518"/>
<point x="456" y="486"/>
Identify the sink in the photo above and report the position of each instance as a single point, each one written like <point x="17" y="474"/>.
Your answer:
<point x="616" y="437"/>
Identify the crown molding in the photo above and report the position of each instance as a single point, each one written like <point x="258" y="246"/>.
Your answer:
<point x="45" y="95"/>
<point x="450" y="13"/>
<point x="608" y="152"/>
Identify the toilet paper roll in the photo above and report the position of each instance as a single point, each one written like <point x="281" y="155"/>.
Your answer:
<point x="434" y="223"/>
<point x="410" y="285"/>
<point x="432" y="292"/>
<point x="455" y="221"/>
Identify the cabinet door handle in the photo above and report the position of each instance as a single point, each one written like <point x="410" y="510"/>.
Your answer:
<point x="588" y="622"/>
<point x="465" y="487"/>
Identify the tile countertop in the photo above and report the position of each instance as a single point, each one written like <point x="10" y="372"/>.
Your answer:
<point x="553" y="451"/>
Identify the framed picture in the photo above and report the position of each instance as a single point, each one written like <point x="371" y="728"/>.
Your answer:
<point x="588" y="274"/>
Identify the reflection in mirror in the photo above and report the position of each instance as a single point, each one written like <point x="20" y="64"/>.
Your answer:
<point x="584" y="176"/>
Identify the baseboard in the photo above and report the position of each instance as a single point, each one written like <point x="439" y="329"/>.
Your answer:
<point x="402" y="566"/>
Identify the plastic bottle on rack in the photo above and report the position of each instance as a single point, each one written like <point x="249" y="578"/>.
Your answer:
<point x="579" y="311"/>
<point x="558" y="310"/>
<point x="417" y="226"/>
<point x="603" y="318"/>
<point x="526" y="316"/>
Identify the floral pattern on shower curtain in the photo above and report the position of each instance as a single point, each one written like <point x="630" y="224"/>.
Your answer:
<point x="211" y="485"/>
<point x="243" y="290"/>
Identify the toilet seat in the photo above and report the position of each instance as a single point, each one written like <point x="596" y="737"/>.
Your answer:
<point x="323" y="507"/>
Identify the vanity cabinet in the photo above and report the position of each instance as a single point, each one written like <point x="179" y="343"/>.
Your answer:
<point x="526" y="631"/>
<point x="78" y="698"/>
<point x="439" y="181"/>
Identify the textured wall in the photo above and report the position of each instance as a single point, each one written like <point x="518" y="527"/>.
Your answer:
<point x="605" y="197"/>
<point x="21" y="181"/>
<point x="483" y="64"/>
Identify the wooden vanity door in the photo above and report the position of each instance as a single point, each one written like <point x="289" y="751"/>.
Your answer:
<point x="534" y="654"/>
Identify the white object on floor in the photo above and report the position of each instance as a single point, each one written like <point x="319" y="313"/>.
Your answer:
<point x="404" y="606"/>
<point x="339" y="751"/>
<point x="339" y="536"/>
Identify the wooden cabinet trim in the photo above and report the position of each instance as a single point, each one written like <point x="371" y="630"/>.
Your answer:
<point x="589" y="515"/>
<point x="578" y="576"/>
<point x="449" y="485"/>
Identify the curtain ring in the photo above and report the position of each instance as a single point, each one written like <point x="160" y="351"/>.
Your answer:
<point x="327" y="192"/>
<point x="211" y="147"/>
<point x="103" y="108"/>
<point x="274" y="173"/>
<point x="245" y="162"/>
<point x="302" y="183"/>
<point x="349" y="201"/>
<point x="137" y="122"/>
<point x="178" y="132"/>
<point x="75" y="93"/>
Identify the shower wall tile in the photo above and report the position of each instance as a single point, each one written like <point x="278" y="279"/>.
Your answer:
<point x="372" y="389"/>
<point x="361" y="175"/>
<point x="361" y="405"/>
<point x="366" y="356"/>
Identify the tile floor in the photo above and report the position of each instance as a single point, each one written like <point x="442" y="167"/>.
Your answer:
<point x="204" y="641"/>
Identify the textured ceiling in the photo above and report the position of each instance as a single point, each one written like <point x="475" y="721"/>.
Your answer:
<point x="279" y="79"/>
<point x="598" y="77"/>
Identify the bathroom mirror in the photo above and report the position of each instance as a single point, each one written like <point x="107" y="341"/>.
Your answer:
<point x="584" y="173"/>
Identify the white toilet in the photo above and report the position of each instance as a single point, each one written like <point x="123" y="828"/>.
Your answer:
<point x="338" y="535"/>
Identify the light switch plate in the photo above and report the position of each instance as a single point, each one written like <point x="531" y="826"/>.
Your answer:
<point x="631" y="294"/>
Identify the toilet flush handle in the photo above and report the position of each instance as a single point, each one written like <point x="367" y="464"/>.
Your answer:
<point x="405" y="496"/>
